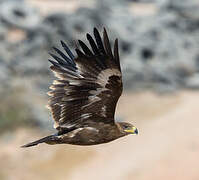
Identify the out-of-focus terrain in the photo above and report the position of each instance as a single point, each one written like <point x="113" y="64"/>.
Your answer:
<point x="160" y="61"/>
<point x="167" y="146"/>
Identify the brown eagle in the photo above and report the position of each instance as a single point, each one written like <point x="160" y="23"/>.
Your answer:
<point x="84" y="97"/>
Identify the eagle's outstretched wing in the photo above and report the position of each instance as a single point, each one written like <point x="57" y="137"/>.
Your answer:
<point x="88" y="86"/>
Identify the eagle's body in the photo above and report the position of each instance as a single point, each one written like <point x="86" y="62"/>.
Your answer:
<point x="84" y="98"/>
<point x="90" y="135"/>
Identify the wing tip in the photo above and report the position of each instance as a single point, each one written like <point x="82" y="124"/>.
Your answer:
<point x="95" y="29"/>
<point x="63" y="43"/>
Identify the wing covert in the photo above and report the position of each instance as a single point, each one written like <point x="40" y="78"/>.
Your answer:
<point x="88" y="86"/>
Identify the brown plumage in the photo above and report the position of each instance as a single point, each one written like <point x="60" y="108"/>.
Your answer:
<point x="84" y="98"/>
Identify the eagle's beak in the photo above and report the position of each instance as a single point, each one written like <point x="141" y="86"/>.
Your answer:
<point x="133" y="130"/>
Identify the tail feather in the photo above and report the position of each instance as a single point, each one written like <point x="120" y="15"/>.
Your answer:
<point x="42" y="140"/>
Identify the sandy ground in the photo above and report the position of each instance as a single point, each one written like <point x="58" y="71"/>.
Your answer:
<point x="167" y="146"/>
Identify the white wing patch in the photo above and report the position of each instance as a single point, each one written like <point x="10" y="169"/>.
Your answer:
<point x="74" y="83"/>
<point x="74" y="132"/>
<point x="92" y="129"/>
<point x="102" y="79"/>
<point x="86" y="115"/>
<point x="104" y="76"/>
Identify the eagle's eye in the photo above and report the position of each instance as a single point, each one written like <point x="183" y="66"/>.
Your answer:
<point x="125" y="126"/>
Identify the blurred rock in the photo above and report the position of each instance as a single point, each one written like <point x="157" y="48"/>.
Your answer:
<point x="19" y="14"/>
<point x="187" y="9"/>
<point x="193" y="81"/>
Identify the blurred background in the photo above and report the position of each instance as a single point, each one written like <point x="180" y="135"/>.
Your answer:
<point x="159" y="49"/>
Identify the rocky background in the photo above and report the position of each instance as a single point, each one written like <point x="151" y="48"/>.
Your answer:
<point x="160" y="60"/>
<point x="159" y="42"/>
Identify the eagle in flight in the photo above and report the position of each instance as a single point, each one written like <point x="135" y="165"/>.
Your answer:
<point x="83" y="99"/>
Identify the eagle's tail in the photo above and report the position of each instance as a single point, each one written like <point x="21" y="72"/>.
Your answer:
<point x="46" y="139"/>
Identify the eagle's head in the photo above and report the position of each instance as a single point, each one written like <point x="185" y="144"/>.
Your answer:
<point x="127" y="128"/>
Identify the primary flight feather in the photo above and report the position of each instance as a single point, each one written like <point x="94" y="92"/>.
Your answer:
<point x="84" y="97"/>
